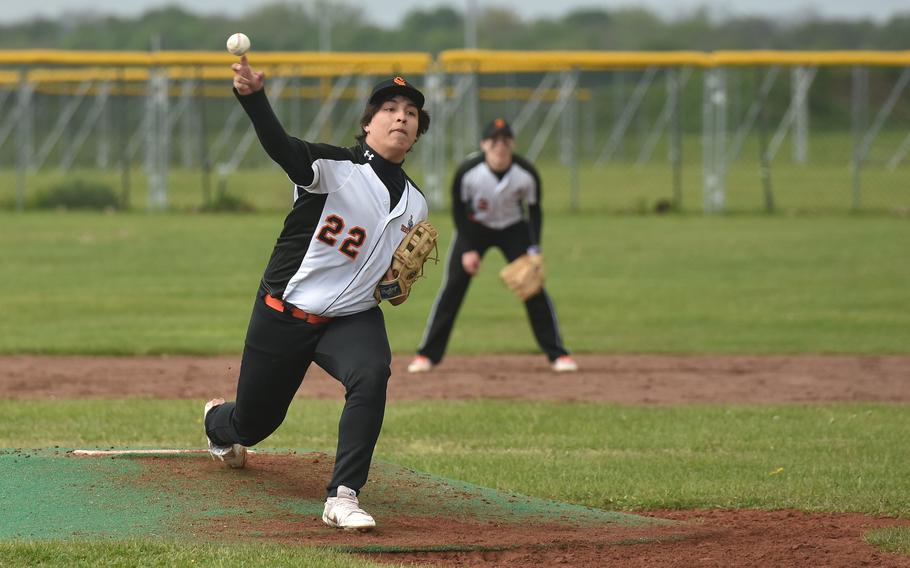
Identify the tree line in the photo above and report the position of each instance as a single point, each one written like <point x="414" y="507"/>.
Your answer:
<point x="303" y="27"/>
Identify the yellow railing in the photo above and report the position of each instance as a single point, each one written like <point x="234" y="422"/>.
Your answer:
<point x="316" y="64"/>
<point x="483" y="61"/>
<point x="46" y="67"/>
<point x="452" y="61"/>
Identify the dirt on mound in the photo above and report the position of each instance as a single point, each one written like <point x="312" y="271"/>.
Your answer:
<point x="724" y="538"/>
<point x="700" y="538"/>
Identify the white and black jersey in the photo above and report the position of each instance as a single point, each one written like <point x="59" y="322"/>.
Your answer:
<point x="491" y="210"/>
<point x="352" y="208"/>
<point x="496" y="200"/>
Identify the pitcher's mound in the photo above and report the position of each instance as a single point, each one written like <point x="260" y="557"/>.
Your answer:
<point x="279" y="497"/>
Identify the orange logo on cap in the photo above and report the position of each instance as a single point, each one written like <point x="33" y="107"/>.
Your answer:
<point x="399" y="81"/>
<point x="499" y="123"/>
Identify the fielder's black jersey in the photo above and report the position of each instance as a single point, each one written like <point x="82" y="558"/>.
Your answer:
<point x="486" y="200"/>
<point x="351" y="210"/>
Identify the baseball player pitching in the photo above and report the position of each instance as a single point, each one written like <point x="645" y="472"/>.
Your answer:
<point x="496" y="199"/>
<point x="318" y="298"/>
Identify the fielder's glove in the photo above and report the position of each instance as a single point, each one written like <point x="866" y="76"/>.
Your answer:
<point x="524" y="276"/>
<point x="407" y="263"/>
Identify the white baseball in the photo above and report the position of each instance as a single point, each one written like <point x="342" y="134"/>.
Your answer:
<point x="238" y="44"/>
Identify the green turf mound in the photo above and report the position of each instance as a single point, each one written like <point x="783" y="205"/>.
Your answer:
<point x="50" y="494"/>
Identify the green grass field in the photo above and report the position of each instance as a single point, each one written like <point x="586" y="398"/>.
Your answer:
<point x="166" y="553"/>
<point x="182" y="283"/>
<point x="894" y="539"/>
<point x="832" y="457"/>
<point x="137" y="283"/>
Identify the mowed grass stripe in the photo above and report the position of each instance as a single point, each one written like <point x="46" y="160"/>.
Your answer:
<point x="147" y="552"/>
<point x="840" y="457"/>
<point x="177" y="283"/>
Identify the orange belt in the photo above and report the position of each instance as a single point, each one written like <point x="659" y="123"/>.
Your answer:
<point x="284" y="307"/>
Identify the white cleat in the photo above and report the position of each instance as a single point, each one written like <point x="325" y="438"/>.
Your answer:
<point x="234" y="455"/>
<point x="420" y="364"/>
<point x="344" y="512"/>
<point x="565" y="364"/>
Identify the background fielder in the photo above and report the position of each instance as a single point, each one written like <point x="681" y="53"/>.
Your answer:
<point x="495" y="203"/>
<point x="352" y="207"/>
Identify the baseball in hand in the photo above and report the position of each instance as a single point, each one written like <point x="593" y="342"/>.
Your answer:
<point x="238" y="44"/>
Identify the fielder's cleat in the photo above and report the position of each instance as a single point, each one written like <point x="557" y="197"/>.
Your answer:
<point x="234" y="455"/>
<point x="344" y="512"/>
<point x="565" y="364"/>
<point x="420" y="364"/>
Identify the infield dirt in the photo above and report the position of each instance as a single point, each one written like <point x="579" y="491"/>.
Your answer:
<point x="625" y="379"/>
<point x="711" y="537"/>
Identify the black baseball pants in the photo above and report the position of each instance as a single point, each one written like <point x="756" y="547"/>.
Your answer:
<point x="513" y="241"/>
<point x="277" y="352"/>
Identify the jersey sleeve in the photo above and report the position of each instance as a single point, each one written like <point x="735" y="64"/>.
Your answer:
<point x="461" y="203"/>
<point x="533" y="199"/>
<point x="332" y="168"/>
<point x="423" y="207"/>
<point x="424" y="210"/>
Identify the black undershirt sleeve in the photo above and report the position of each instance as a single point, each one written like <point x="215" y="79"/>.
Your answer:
<point x="535" y="222"/>
<point x="292" y="154"/>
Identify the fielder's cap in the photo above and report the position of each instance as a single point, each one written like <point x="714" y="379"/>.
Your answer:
<point x="396" y="86"/>
<point x="498" y="127"/>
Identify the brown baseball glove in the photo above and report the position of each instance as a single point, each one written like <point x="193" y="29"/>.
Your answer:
<point x="524" y="276"/>
<point x="407" y="263"/>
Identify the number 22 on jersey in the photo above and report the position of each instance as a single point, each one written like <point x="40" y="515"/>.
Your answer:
<point x="334" y="226"/>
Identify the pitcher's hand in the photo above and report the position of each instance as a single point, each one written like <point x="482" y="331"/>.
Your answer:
<point x="247" y="81"/>
<point x="470" y="261"/>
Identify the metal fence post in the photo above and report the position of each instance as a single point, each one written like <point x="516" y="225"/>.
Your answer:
<point x="434" y="151"/>
<point x="714" y="126"/>
<point x="24" y="136"/>
<point x="859" y="104"/>
<point x="674" y="91"/>
<point x="158" y="137"/>
<point x="799" y="87"/>
<point x="568" y="145"/>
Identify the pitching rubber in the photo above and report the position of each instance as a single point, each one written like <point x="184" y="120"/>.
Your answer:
<point x="163" y="451"/>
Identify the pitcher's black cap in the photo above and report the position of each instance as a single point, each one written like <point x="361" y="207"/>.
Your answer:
<point x="396" y="86"/>
<point x="498" y="127"/>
